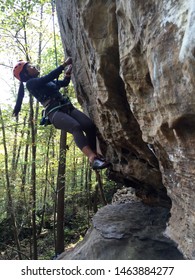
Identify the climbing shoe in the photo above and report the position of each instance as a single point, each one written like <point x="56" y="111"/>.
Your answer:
<point x="99" y="163"/>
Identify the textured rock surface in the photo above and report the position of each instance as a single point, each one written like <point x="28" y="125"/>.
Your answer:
<point x="134" y="75"/>
<point x="130" y="231"/>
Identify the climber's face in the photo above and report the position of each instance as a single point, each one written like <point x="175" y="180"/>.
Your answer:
<point x="32" y="71"/>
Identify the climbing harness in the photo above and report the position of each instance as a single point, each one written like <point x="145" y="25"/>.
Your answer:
<point x="65" y="104"/>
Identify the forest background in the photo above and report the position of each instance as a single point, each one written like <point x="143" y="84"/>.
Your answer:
<point x="48" y="192"/>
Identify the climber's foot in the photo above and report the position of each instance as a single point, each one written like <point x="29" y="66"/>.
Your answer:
<point x="99" y="163"/>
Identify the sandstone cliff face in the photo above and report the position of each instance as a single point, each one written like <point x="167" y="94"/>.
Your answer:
<point x="133" y="64"/>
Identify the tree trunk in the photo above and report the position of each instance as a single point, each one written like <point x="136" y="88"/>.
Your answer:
<point x="60" y="193"/>
<point x="46" y="183"/>
<point x="98" y="177"/>
<point x="33" y="180"/>
<point x="20" y="144"/>
<point x="88" y="184"/>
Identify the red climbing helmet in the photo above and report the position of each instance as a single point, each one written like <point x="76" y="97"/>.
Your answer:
<point x="18" y="69"/>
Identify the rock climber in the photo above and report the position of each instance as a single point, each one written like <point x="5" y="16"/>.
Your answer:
<point x="59" y="109"/>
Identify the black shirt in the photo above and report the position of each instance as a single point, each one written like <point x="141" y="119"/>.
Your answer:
<point x="47" y="87"/>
